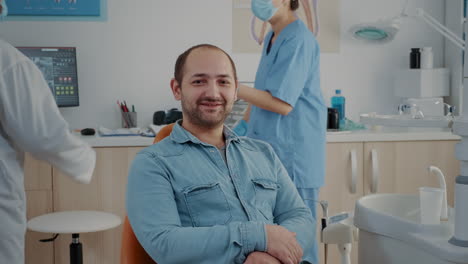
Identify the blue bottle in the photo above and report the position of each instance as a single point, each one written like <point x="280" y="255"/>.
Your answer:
<point x="338" y="102"/>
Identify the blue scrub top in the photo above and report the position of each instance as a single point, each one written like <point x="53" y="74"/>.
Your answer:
<point x="291" y="72"/>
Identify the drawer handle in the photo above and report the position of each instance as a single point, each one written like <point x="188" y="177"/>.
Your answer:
<point x="353" y="171"/>
<point x="375" y="171"/>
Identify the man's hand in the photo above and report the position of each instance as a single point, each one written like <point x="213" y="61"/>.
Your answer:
<point x="258" y="257"/>
<point x="282" y="244"/>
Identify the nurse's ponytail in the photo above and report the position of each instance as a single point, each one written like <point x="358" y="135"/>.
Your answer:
<point x="294" y="5"/>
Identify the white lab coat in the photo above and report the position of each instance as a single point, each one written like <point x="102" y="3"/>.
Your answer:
<point x="30" y="122"/>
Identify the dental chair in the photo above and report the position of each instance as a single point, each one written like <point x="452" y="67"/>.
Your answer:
<point x="131" y="252"/>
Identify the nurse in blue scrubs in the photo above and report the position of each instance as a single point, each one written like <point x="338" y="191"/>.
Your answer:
<point x="286" y="106"/>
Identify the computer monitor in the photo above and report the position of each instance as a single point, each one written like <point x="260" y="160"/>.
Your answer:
<point x="58" y="65"/>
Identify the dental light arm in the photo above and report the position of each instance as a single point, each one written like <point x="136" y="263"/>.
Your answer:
<point x="384" y="31"/>
<point x="421" y="14"/>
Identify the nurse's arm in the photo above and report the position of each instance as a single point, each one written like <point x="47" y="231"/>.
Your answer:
<point x="263" y="100"/>
<point x="247" y="113"/>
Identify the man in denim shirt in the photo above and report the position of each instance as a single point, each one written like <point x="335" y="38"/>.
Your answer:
<point x="205" y="195"/>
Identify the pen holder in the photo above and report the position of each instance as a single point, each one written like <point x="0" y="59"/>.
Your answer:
<point x="129" y="119"/>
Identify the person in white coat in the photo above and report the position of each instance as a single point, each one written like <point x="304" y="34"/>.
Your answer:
<point x="30" y="122"/>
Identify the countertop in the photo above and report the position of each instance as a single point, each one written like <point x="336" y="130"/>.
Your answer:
<point x="332" y="137"/>
<point x="391" y="135"/>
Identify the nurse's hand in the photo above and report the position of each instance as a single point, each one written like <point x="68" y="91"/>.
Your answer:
<point x="258" y="257"/>
<point x="283" y="245"/>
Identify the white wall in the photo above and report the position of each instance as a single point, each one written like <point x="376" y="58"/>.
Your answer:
<point x="131" y="56"/>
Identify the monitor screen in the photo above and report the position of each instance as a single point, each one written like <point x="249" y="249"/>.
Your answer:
<point x="58" y="65"/>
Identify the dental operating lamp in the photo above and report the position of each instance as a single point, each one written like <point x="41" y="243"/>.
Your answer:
<point x="384" y="31"/>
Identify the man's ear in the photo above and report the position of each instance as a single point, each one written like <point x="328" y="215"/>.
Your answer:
<point x="175" y="87"/>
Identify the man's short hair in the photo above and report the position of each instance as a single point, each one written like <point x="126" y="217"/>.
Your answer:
<point x="180" y="63"/>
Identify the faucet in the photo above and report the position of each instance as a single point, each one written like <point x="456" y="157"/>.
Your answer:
<point x="443" y="186"/>
<point x="412" y="109"/>
<point x="402" y="108"/>
<point x="450" y="109"/>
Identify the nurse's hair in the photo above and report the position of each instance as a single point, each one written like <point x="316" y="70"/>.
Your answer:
<point x="294" y="4"/>
<point x="180" y="63"/>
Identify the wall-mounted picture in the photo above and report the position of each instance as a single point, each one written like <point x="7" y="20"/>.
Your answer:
<point x="54" y="7"/>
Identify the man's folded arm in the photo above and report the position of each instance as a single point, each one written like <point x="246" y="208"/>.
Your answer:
<point x="291" y="212"/>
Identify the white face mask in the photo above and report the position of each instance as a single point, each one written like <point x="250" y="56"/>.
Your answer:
<point x="4" y="12"/>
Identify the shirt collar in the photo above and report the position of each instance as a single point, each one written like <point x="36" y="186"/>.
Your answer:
<point x="180" y="135"/>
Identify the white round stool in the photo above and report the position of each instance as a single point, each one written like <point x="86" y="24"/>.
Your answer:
<point x="73" y="222"/>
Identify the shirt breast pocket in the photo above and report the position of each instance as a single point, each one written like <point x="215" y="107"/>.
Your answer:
<point x="265" y="196"/>
<point x="207" y="205"/>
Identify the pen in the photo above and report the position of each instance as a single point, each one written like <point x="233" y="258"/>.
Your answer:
<point x="120" y="106"/>
<point x="125" y="106"/>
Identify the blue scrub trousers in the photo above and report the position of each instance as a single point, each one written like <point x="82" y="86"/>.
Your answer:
<point x="310" y="198"/>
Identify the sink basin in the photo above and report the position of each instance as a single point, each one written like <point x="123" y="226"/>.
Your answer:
<point x="391" y="223"/>
<point x="405" y="120"/>
<point x="393" y="215"/>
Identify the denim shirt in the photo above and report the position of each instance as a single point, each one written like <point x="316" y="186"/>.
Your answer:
<point x="187" y="205"/>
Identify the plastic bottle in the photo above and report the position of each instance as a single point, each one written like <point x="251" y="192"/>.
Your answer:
<point x="427" y="58"/>
<point x="338" y="102"/>
<point x="333" y="120"/>
<point x="415" y="59"/>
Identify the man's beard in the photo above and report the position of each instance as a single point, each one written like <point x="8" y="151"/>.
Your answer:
<point x="197" y="117"/>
